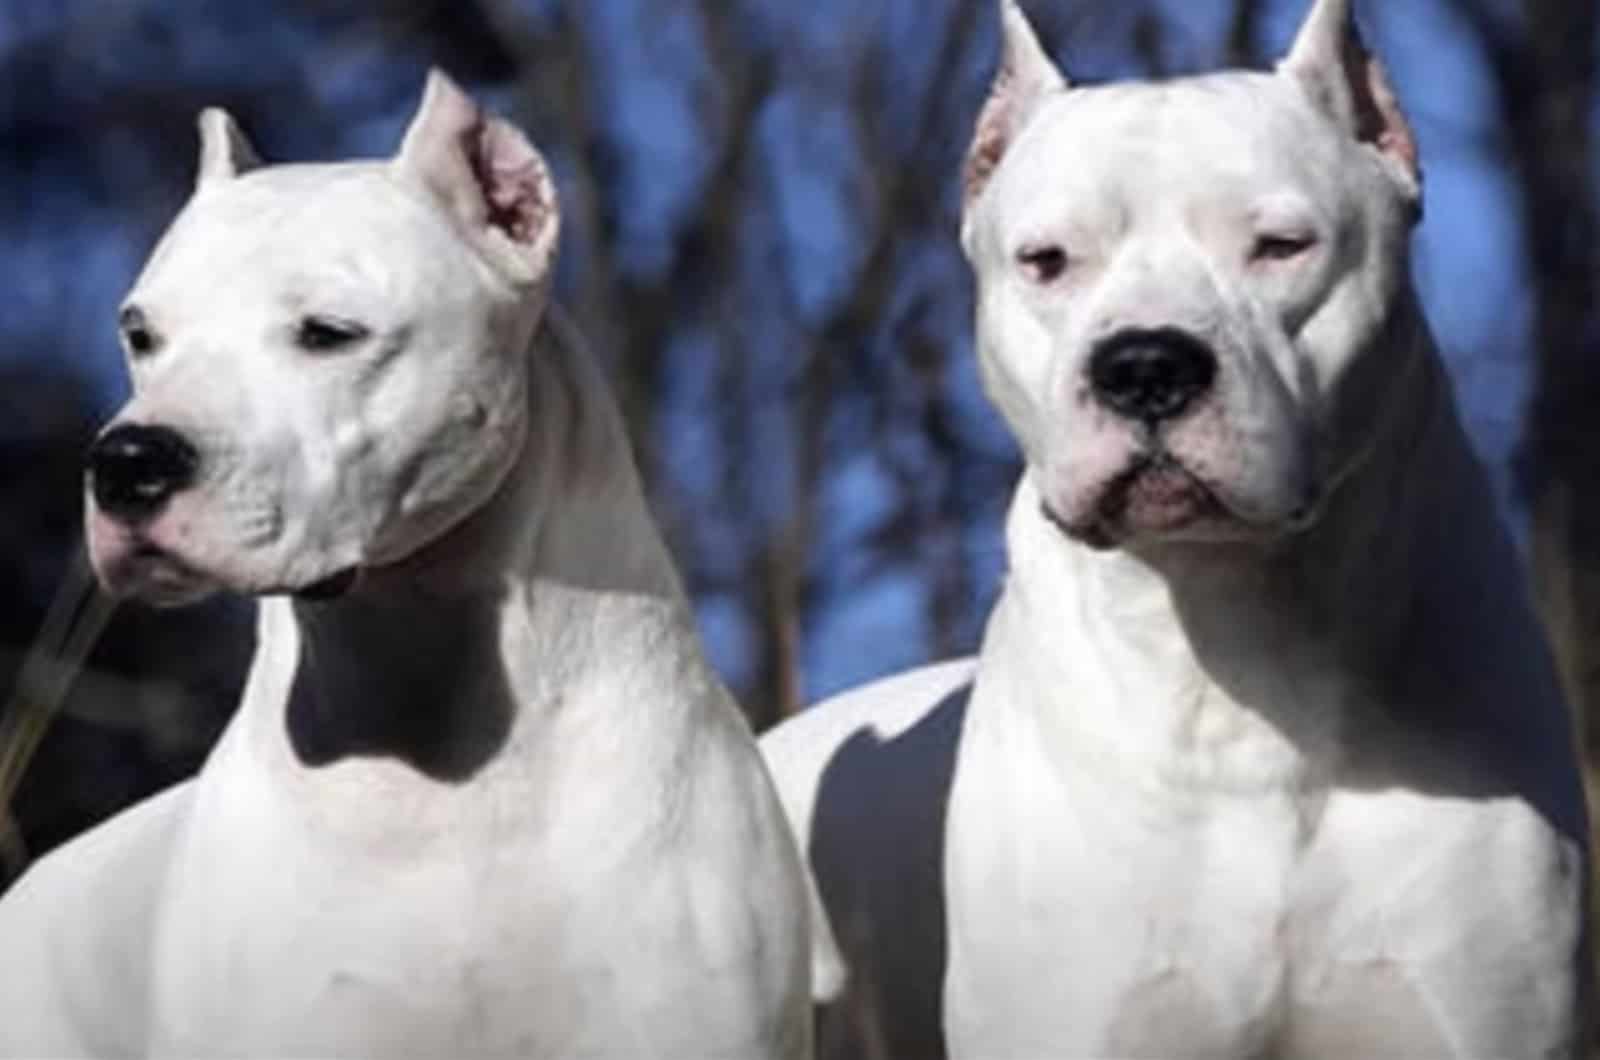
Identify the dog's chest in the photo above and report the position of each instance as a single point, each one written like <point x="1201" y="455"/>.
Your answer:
<point x="501" y="944"/>
<point x="373" y="959"/>
<point x="1124" y="933"/>
<point x="1239" y="927"/>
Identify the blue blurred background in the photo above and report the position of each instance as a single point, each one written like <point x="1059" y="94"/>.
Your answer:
<point x="760" y="215"/>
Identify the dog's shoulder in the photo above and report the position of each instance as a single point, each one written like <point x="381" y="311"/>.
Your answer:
<point x="865" y="778"/>
<point x="799" y="750"/>
<point x="75" y="935"/>
<point x="855" y="755"/>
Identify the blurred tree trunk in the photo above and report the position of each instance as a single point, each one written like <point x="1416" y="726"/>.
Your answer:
<point x="1244" y="33"/>
<point x="1546" y="73"/>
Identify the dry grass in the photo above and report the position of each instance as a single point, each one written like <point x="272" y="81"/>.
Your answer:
<point x="76" y="618"/>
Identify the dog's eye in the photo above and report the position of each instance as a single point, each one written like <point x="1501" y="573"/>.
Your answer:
<point x="325" y="334"/>
<point x="1044" y="263"/>
<point x="1282" y="246"/>
<point x="136" y="332"/>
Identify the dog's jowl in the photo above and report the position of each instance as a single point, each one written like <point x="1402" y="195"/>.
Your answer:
<point x="483" y="795"/>
<point x="1262" y="754"/>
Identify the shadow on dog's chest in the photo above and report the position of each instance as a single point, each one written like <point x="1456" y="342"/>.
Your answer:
<point x="406" y="676"/>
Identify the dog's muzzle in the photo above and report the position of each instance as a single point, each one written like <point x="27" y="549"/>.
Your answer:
<point x="134" y="469"/>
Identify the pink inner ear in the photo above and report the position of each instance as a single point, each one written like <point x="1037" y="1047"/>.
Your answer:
<point x="514" y="183"/>
<point x="1394" y="134"/>
<point x="1379" y="119"/>
<point x="990" y="138"/>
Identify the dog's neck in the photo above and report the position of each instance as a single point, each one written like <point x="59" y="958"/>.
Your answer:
<point x="457" y="661"/>
<point x="1235" y="666"/>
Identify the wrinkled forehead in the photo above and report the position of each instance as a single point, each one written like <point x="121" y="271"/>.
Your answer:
<point x="305" y="225"/>
<point x="1140" y="149"/>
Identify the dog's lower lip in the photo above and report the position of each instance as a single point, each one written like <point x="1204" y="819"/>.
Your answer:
<point x="331" y="587"/>
<point x="1052" y="518"/>
<point x="1107" y="526"/>
<point x="1094" y="535"/>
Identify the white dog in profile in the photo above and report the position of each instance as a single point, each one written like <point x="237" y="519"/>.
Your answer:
<point x="1263" y="753"/>
<point x="484" y="795"/>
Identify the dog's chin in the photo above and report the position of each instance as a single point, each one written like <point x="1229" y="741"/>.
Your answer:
<point x="151" y="576"/>
<point x="1154" y="500"/>
<point x="335" y="586"/>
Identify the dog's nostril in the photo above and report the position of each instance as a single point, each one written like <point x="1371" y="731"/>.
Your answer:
<point x="133" y="469"/>
<point x="1151" y="375"/>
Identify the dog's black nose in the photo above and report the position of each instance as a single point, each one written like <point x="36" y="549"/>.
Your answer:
<point x="133" y="469"/>
<point x="1151" y="376"/>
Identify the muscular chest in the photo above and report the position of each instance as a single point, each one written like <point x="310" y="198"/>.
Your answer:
<point x="298" y="951"/>
<point x="1123" y="930"/>
<point x="1255" y="926"/>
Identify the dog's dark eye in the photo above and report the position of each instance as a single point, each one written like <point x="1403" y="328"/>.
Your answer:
<point x="1282" y="246"/>
<point x="326" y="334"/>
<point x="1044" y="263"/>
<point x="136" y="332"/>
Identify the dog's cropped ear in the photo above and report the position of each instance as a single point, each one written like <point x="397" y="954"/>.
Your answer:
<point x="488" y="176"/>
<point x="224" y="151"/>
<point x="1350" y="85"/>
<point x="1026" y="76"/>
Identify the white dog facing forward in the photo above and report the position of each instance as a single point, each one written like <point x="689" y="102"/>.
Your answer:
<point x="483" y="796"/>
<point x="1262" y="754"/>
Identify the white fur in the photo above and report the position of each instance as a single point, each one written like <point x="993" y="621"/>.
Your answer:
<point x="493" y="801"/>
<point x="1287" y="777"/>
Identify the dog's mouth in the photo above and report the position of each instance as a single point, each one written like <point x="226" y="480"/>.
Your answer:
<point x="165" y="563"/>
<point x="1154" y="496"/>
<point x="152" y="576"/>
<point x="131" y="567"/>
